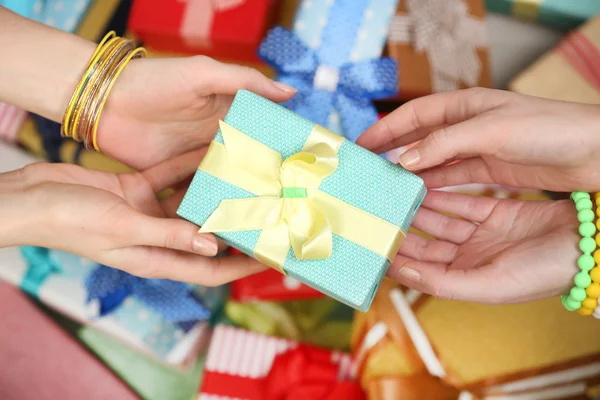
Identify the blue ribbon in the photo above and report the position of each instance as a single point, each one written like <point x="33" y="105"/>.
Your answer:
<point x="175" y="301"/>
<point x="40" y="266"/>
<point x="359" y="82"/>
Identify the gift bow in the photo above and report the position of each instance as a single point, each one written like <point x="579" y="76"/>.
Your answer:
<point x="308" y="373"/>
<point x="173" y="300"/>
<point x="199" y="15"/>
<point x="322" y="89"/>
<point x="289" y="209"/>
<point x="444" y="30"/>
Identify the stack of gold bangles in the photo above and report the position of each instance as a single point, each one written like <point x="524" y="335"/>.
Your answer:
<point x="82" y="116"/>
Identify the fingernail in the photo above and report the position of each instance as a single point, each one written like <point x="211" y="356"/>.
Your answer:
<point x="411" y="157"/>
<point x="204" y="246"/>
<point x="284" y="87"/>
<point x="410" y="274"/>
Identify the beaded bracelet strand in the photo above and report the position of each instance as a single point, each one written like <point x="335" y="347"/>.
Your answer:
<point x="573" y="301"/>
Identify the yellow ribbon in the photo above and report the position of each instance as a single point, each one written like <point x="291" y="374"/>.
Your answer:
<point x="527" y="9"/>
<point x="289" y="208"/>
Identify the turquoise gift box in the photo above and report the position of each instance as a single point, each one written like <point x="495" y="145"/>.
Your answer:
<point x="563" y="15"/>
<point x="369" y="185"/>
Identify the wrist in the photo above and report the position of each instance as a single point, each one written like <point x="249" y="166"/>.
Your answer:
<point x="40" y="66"/>
<point x="18" y="215"/>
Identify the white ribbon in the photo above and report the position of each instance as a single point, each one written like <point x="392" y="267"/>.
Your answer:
<point x="443" y="29"/>
<point x="198" y="19"/>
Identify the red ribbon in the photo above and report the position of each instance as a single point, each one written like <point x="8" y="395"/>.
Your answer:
<point x="299" y="374"/>
<point x="583" y="56"/>
<point x="308" y="373"/>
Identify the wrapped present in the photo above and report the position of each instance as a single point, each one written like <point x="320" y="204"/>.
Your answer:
<point x="569" y="72"/>
<point x="410" y="344"/>
<point x="319" y="322"/>
<point x="319" y="216"/>
<point x="41" y="361"/>
<point x="333" y="57"/>
<point x="247" y="366"/>
<point x="162" y="318"/>
<point x="271" y="286"/>
<point x="439" y="46"/>
<point x="559" y="14"/>
<point x="230" y="29"/>
<point x="148" y="378"/>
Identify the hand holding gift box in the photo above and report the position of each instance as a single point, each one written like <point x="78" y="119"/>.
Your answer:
<point x="304" y="216"/>
<point x="248" y="366"/>
<point x="439" y="45"/>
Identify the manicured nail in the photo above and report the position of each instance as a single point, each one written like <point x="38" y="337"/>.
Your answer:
<point x="204" y="246"/>
<point x="410" y="158"/>
<point x="284" y="87"/>
<point x="410" y="274"/>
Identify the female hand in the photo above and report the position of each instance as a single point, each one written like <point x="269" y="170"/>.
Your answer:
<point x="160" y="108"/>
<point x="501" y="137"/>
<point x="496" y="251"/>
<point x="115" y="220"/>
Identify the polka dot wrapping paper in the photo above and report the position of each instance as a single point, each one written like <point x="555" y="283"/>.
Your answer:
<point x="161" y="318"/>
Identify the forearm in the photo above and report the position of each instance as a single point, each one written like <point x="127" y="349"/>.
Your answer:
<point x="40" y="66"/>
<point x="18" y="218"/>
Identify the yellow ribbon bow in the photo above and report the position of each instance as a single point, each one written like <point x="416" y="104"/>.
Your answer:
<point x="289" y="209"/>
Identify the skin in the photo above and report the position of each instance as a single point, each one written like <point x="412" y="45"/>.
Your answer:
<point x="496" y="251"/>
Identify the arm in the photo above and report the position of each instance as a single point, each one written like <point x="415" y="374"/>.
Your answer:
<point x="17" y="217"/>
<point x="40" y="66"/>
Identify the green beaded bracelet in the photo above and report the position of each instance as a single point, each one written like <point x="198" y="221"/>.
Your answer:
<point x="587" y="245"/>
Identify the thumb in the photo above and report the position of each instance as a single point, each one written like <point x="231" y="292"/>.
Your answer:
<point x="172" y="233"/>
<point x="221" y="78"/>
<point x="447" y="283"/>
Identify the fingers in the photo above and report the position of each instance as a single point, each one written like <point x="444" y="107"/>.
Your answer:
<point x="442" y="226"/>
<point x="171" y="172"/>
<point x="472" y="208"/>
<point x="185" y="267"/>
<point x="418" y="248"/>
<point x="170" y="233"/>
<point x="220" y="78"/>
<point x="440" y="281"/>
<point x="436" y="110"/>
<point x="473" y="170"/>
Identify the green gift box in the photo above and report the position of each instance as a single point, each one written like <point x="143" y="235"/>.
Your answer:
<point x="564" y="15"/>
<point x="303" y="200"/>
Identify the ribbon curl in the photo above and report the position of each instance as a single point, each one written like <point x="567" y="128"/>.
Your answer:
<point x="445" y="31"/>
<point x="175" y="301"/>
<point x="322" y="89"/>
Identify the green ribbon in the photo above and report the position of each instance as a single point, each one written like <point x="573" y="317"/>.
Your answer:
<point x="293" y="193"/>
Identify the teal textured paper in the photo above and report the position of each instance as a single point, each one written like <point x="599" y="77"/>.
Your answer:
<point x="362" y="179"/>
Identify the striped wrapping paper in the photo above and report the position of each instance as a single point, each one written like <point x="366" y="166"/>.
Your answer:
<point x="236" y="356"/>
<point x="11" y="119"/>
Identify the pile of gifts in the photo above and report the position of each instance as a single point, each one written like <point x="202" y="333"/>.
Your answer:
<point x="323" y="322"/>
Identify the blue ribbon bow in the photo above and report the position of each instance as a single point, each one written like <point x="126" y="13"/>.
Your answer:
<point x="39" y="266"/>
<point x="175" y="301"/>
<point x="358" y="83"/>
